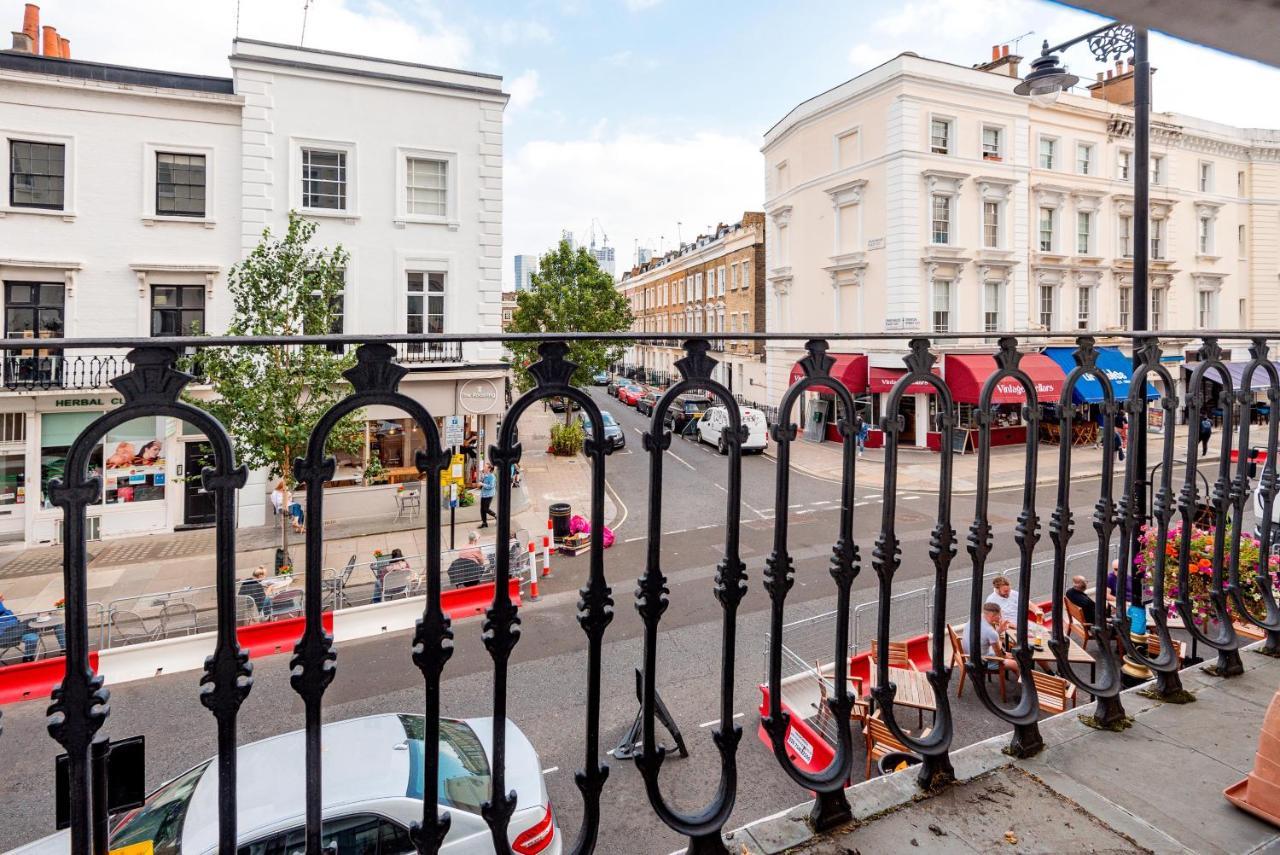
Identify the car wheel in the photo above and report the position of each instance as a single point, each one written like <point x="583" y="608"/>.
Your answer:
<point x="722" y="446"/>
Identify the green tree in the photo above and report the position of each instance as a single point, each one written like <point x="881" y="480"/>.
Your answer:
<point x="270" y="398"/>
<point x="570" y="293"/>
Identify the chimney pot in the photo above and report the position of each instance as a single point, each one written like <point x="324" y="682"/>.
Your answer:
<point x="50" y="46"/>
<point x="1099" y="76"/>
<point x="64" y="47"/>
<point x="31" y="24"/>
<point x="1109" y="73"/>
<point x="1119" y="66"/>
<point x="1131" y="63"/>
<point x="1004" y="51"/>
<point x="995" y="52"/>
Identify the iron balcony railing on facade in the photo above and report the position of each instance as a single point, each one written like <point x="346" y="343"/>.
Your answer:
<point x="1117" y="519"/>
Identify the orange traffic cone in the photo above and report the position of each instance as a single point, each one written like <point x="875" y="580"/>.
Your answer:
<point x="1259" y="793"/>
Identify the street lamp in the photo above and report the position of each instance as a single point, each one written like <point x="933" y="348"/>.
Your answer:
<point x="1047" y="79"/>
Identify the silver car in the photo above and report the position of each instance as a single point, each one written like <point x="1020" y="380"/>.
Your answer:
<point x="373" y="790"/>
<point x="613" y="433"/>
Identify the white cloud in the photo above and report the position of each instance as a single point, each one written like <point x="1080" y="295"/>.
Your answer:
<point x="641" y="5"/>
<point x="524" y="89"/>
<point x="863" y="56"/>
<point x="637" y="185"/>
<point x="518" y="32"/>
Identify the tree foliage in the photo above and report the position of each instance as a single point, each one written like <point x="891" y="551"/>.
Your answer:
<point x="270" y="398"/>
<point x="570" y="293"/>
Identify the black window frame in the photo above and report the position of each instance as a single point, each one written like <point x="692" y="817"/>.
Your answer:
<point x="203" y="185"/>
<point x="14" y="173"/>
<point x="178" y="309"/>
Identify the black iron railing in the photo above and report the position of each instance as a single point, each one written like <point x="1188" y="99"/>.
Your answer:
<point x="154" y="384"/>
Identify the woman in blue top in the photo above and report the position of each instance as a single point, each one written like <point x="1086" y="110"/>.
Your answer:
<point x="488" y="486"/>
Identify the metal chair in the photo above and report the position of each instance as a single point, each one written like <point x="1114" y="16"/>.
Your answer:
<point x="130" y="627"/>
<point x="247" y="610"/>
<point x="335" y="585"/>
<point x="178" y="618"/>
<point x="396" y="583"/>
<point x="286" y="604"/>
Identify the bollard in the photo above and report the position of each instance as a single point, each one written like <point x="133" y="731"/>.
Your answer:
<point x="546" y="556"/>
<point x="533" y="571"/>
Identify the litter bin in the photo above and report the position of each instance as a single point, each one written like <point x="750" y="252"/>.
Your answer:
<point x="891" y="761"/>
<point x="560" y="513"/>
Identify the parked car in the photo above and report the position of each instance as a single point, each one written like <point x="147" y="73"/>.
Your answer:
<point x="600" y="378"/>
<point x="647" y="403"/>
<point x="630" y="394"/>
<point x="612" y="430"/>
<point x="614" y="385"/>
<point x="559" y="405"/>
<point x="373" y="789"/>
<point x="684" y="410"/>
<point x="714" y="422"/>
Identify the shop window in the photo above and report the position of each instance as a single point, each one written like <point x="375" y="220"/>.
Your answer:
<point x="132" y="469"/>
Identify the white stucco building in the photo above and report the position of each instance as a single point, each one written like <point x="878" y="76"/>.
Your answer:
<point x="926" y="197"/>
<point x="129" y="193"/>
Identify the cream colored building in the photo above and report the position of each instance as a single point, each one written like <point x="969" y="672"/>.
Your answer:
<point x="926" y="197"/>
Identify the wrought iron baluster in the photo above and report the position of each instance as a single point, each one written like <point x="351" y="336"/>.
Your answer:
<point x="1132" y="517"/>
<point x="705" y="827"/>
<point x="1240" y="493"/>
<point x="1223" y="639"/>
<point x="1024" y="716"/>
<point x="1109" y="711"/>
<point x="831" y="807"/>
<point x="79" y="704"/>
<point x="936" y="769"/>
<point x="553" y="373"/>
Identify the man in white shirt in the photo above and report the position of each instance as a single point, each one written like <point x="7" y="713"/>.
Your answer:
<point x="1006" y="599"/>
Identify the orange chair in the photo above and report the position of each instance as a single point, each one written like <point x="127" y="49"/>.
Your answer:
<point x="1053" y="692"/>
<point x="957" y="663"/>
<point x="879" y="740"/>
<point x="1153" y="647"/>
<point x="899" y="655"/>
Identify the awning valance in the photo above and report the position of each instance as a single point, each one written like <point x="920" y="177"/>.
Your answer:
<point x="850" y="369"/>
<point x="883" y="380"/>
<point x="1088" y="389"/>
<point x="966" y="372"/>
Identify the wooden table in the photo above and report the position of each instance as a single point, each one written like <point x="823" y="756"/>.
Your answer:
<point x="1044" y="657"/>
<point x="913" y="687"/>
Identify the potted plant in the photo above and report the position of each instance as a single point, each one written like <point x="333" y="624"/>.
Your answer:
<point x="1200" y="571"/>
<point x="567" y="440"/>
<point x="375" y="472"/>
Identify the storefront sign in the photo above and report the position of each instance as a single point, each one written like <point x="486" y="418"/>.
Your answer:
<point x="454" y="430"/>
<point x="67" y="403"/>
<point x="478" y="396"/>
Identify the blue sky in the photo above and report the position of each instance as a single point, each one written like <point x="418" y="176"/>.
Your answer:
<point x="643" y="114"/>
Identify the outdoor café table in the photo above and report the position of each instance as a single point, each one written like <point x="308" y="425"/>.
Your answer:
<point x="276" y="584"/>
<point x="1044" y="657"/>
<point x="49" y="623"/>
<point x="913" y="688"/>
<point x="408" y="502"/>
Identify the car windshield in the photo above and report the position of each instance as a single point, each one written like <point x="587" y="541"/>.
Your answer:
<point x="159" y="820"/>
<point x="464" y="767"/>
<point x="607" y="418"/>
<point x="695" y="406"/>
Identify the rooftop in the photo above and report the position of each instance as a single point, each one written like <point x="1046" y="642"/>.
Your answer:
<point x="79" y="69"/>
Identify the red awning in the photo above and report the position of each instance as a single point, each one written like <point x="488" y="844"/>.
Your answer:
<point x="965" y="374"/>
<point x="882" y="380"/>
<point x="850" y="369"/>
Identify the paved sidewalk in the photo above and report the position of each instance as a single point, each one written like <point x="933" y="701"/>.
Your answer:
<point x="918" y="469"/>
<point x="1156" y="787"/>
<point x="31" y="579"/>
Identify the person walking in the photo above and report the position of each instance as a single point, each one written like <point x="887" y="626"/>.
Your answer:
<point x="863" y="430"/>
<point x="488" y="486"/>
<point x="1206" y="431"/>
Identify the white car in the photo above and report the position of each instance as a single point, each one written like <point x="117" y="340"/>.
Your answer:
<point x="715" y="421"/>
<point x="372" y="786"/>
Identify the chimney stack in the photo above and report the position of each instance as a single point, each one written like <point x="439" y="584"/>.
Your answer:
<point x="50" y="46"/>
<point x="22" y="43"/>
<point x="64" y="47"/>
<point x="1004" y="51"/>
<point x="995" y="52"/>
<point x="31" y="24"/>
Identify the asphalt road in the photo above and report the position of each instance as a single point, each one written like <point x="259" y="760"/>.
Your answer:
<point x="548" y="677"/>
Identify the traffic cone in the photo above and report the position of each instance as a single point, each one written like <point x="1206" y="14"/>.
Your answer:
<point x="1259" y="793"/>
<point x="533" y="571"/>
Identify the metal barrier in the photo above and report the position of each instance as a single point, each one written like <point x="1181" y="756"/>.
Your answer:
<point x="903" y="622"/>
<point x="42" y="634"/>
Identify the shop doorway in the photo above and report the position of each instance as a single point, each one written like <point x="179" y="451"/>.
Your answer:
<point x="908" y="435"/>
<point x="197" y="503"/>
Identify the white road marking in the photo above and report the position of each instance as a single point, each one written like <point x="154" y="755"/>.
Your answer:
<point x="909" y="498"/>
<point x="717" y="721"/>
<point x="720" y="486"/>
<point x="677" y="531"/>
<point x="805" y="511"/>
<point x="793" y="507"/>
<point x="701" y="527"/>
<point x="682" y="461"/>
<point x="552" y="769"/>
<point x="818" y="504"/>
<point x="634" y="539"/>
<point x="761" y="514"/>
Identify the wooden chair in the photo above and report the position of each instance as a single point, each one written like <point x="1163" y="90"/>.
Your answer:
<point x="957" y="663"/>
<point x="1076" y="624"/>
<point x="899" y="656"/>
<point x="880" y="740"/>
<point x="1053" y="692"/>
<point x="1153" y="647"/>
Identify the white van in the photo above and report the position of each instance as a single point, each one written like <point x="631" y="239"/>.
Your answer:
<point x="715" y="421"/>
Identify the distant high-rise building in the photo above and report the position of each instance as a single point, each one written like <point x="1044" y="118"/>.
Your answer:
<point x="526" y="266"/>
<point x="565" y="234"/>
<point x="643" y="255"/>
<point x="604" y="256"/>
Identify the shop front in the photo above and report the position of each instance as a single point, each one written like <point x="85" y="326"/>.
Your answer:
<point x="917" y="401"/>
<point x="1259" y="405"/>
<point x="967" y="373"/>
<point x="820" y="410"/>
<point x="1087" y="394"/>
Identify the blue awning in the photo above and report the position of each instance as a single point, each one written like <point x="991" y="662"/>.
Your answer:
<point x="1088" y="390"/>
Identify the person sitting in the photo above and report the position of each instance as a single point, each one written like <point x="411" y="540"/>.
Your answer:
<point x="473" y="550"/>
<point x="255" y="590"/>
<point x="992" y="651"/>
<point x="1004" y="598"/>
<point x="1076" y="596"/>
<point x="13" y="631"/>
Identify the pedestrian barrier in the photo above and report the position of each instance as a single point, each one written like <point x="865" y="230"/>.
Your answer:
<point x="26" y="681"/>
<point x="277" y="636"/>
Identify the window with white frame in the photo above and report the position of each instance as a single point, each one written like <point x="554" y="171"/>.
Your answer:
<point x="781" y="178"/>
<point x="846" y="149"/>
<point x="1084" y="158"/>
<point x="941" y="218"/>
<point x="1207" y="309"/>
<point x="1205" y="235"/>
<point x="991" y="225"/>
<point x="688" y="289"/>
<point x="697" y="286"/>
<point x="180" y="184"/>
<point x="720" y="280"/>
<point x="37" y="175"/>
<point x="992" y="300"/>
<point x="1157" y="238"/>
<point x="1126" y="305"/>
<point x="324" y="179"/>
<point x="1124" y="165"/>
<point x="941" y="305"/>
<point x="991" y="143"/>
<point x="1084" y="232"/>
<point x="1126" y="236"/>
<point x="1240" y="183"/>
<point x="1046" y="229"/>
<point x="746" y="322"/>
<point x="424" y="309"/>
<point x="426" y="187"/>
<point x="1240" y="241"/>
<point x="1158" y="302"/>
<point x="1047" y="294"/>
<point x="733" y="277"/>
<point x="746" y="274"/>
<point x="1206" y="176"/>
<point x="1048" y="152"/>
<point x="1084" y="307"/>
<point x="1157" y="169"/>
<point x="940" y="136"/>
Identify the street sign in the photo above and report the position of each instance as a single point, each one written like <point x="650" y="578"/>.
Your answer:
<point x="453" y="494"/>
<point x="454" y="432"/>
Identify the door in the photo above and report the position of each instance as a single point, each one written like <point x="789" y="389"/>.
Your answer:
<point x="197" y="505"/>
<point x="908" y="435"/>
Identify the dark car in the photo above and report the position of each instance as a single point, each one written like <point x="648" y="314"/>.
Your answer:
<point x="600" y="378"/>
<point x="685" y="410"/>
<point x="646" y="404"/>
<point x="558" y="405"/>
<point x="613" y="432"/>
<point x="614" y="385"/>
